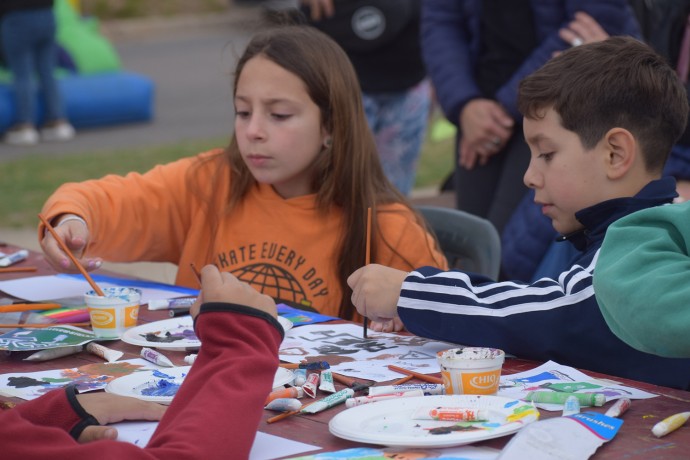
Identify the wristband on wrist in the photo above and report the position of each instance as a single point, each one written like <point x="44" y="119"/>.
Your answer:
<point x="70" y="217"/>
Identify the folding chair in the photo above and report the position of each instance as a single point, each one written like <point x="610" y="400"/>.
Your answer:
<point x="470" y="243"/>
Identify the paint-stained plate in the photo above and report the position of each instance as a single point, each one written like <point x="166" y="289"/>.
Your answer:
<point x="173" y="334"/>
<point x="161" y="385"/>
<point x="392" y="422"/>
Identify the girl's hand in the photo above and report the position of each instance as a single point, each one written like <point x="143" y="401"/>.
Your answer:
<point x="75" y="235"/>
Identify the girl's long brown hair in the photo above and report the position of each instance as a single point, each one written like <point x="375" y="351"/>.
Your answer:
<point x="348" y="175"/>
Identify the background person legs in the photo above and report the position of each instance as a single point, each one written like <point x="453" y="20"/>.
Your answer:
<point x="494" y="190"/>
<point x="399" y="121"/>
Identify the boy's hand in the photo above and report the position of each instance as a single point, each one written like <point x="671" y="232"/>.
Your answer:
<point x="394" y="325"/>
<point x="75" y="235"/>
<point x="110" y="408"/>
<point x="217" y="286"/>
<point x="376" y="290"/>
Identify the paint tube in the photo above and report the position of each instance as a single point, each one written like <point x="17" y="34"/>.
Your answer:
<point x="300" y="377"/>
<point x="292" y="392"/>
<point x="156" y="357"/>
<point x="104" y="352"/>
<point x="310" y="386"/>
<point x="329" y="401"/>
<point x="52" y="353"/>
<point x="452" y="414"/>
<point x="284" y="404"/>
<point x="360" y="400"/>
<point x="619" y="408"/>
<point x="326" y="381"/>
<point x="170" y="304"/>
<point x="13" y="258"/>
<point x="427" y="388"/>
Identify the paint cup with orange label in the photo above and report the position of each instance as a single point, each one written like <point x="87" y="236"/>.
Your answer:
<point x="471" y="370"/>
<point x="113" y="313"/>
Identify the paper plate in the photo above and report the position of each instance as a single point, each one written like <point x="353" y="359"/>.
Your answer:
<point x="173" y="333"/>
<point x="390" y="422"/>
<point x="160" y="385"/>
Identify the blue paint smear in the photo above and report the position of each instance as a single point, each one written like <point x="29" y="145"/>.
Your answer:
<point x="161" y="388"/>
<point x="511" y="403"/>
<point x="162" y="375"/>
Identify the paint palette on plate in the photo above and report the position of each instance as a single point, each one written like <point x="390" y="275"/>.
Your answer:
<point x="161" y="385"/>
<point x="394" y="422"/>
<point x="173" y="334"/>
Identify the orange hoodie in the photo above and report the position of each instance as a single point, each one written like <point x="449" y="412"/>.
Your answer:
<point x="283" y="247"/>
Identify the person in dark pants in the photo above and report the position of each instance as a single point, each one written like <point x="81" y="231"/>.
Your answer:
<point x="27" y="34"/>
<point x="476" y="52"/>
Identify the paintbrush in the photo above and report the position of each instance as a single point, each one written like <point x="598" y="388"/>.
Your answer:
<point x="423" y="377"/>
<point x="17" y="269"/>
<point x="74" y="260"/>
<point x="367" y="260"/>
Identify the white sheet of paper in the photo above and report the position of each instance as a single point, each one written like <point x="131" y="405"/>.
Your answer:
<point x="53" y="287"/>
<point x="565" y="379"/>
<point x="266" y="446"/>
<point x="349" y="354"/>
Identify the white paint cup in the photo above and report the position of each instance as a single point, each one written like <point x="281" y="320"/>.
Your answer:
<point x="471" y="370"/>
<point x="113" y="314"/>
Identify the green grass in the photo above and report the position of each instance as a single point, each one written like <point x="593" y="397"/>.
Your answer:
<point x="28" y="181"/>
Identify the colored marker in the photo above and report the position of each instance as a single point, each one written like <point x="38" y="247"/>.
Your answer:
<point x="175" y="312"/>
<point x="329" y="401"/>
<point x="313" y="366"/>
<point x="557" y="397"/>
<point x="452" y="414"/>
<point x="156" y="357"/>
<point x="13" y="258"/>
<point x="670" y="424"/>
<point x="619" y="408"/>
<point x="170" y="304"/>
<point x="427" y="388"/>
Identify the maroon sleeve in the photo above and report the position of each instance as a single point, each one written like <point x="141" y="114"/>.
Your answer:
<point x="222" y="395"/>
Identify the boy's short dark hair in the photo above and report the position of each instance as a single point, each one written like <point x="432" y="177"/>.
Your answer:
<point x="618" y="82"/>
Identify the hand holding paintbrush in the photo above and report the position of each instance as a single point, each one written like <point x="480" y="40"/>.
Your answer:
<point x="65" y="243"/>
<point x="69" y="254"/>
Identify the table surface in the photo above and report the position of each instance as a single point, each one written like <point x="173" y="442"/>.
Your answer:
<point x="634" y="440"/>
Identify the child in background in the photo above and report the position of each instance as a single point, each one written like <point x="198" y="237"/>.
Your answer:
<point x="237" y="362"/>
<point x="600" y="120"/>
<point x="643" y="280"/>
<point x="283" y="207"/>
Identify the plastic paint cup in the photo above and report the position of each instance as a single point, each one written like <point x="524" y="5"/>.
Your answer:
<point x="114" y="313"/>
<point x="471" y="370"/>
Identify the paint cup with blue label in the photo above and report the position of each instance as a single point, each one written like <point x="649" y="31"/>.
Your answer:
<point x="471" y="370"/>
<point x="111" y="315"/>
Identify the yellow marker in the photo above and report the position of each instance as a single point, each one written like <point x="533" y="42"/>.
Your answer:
<point x="670" y="424"/>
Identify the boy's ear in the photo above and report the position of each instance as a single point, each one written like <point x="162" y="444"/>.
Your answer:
<point x="621" y="149"/>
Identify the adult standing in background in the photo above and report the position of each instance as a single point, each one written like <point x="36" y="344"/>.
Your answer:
<point x="27" y="33"/>
<point x="476" y="52"/>
<point x="381" y="38"/>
